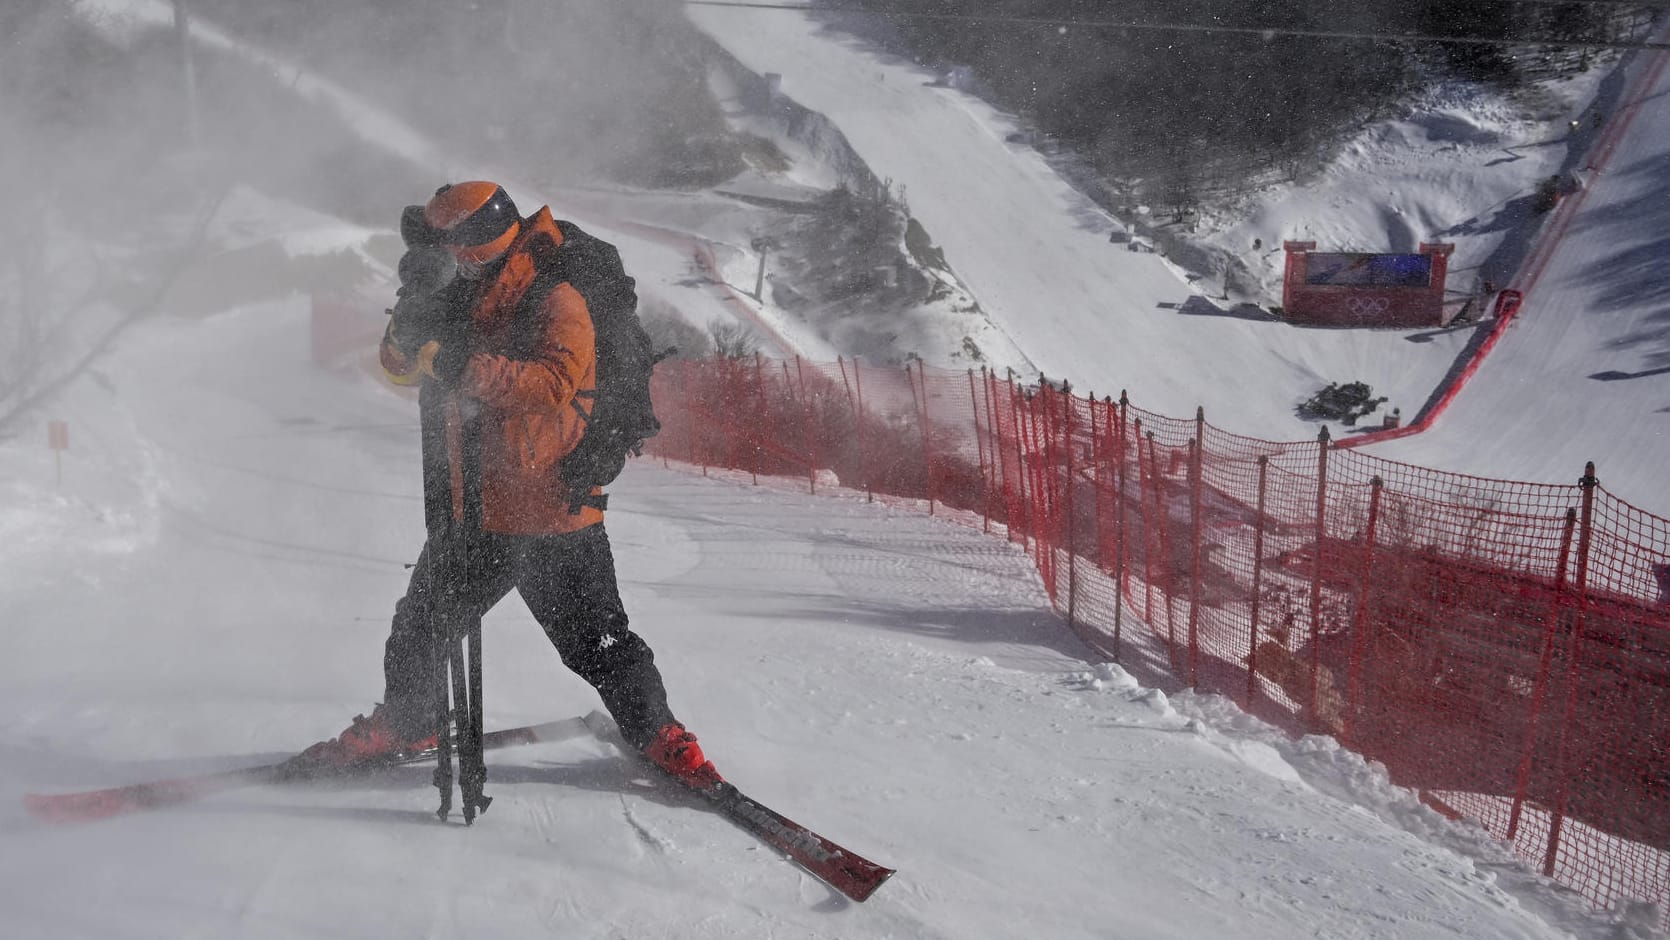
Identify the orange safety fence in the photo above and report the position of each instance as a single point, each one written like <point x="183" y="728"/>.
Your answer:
<point x="1502" y="647"/>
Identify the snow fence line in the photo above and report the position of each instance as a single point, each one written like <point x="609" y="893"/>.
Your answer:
<point x="1503" y="648"/>
<point x="1509" y="301"/>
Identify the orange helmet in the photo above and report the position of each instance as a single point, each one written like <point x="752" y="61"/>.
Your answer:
<point x="475" y="220"/>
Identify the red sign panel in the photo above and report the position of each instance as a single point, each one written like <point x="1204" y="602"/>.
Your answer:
<point x="58" y="435"/>
<point x="1384" y="289"/>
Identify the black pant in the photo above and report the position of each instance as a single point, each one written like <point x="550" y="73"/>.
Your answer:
<point x="568" y="583"/>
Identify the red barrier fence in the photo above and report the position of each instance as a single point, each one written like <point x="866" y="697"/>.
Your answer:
<point x="1502" y="647"/>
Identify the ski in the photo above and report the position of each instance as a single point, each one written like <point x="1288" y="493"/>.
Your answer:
<point x="842" y="869"/>
<point x="847" y="872"/>
<point x="92" y="805"/>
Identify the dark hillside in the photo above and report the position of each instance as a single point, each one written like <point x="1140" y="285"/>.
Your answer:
<point x="1183" y="113"/>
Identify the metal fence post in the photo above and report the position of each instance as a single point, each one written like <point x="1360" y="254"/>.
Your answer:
<point x="1122" y="574"/>
<point x="1069" y="510"/>
<point x="921" y="403"/>
<point x="1098" y="454"/>
<point x="1143" y="484"/>
<point x="1038" y="442"/>
<point x="1162" y="539"/>
<point x="1194" y="560"/>
<point x="759" y="425"/>
<point x="1257" y="580"/>
<point x="980" y="453"/>
<point x="855" y="397"/>
<point x="1360" y="621"/>
<point x="995" y="414"/>
<point x="1316" y="569"/>
<point x="1545" y="664"/>
<point x="1028" y="470"/>
<point x="1023" y="463"/>
<point x="1038" y="452"/>
<point x="808" y="416"/>
<point x="814" y="422"/>
<point x="1585" y="534"/>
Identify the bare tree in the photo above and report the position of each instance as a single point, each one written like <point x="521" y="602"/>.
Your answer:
<point x="732" y="340"/>
<point x="52" y="280"/>
<point x="668" y="329"/>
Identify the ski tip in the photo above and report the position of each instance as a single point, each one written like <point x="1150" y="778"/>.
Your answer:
<point x="861" y="893"/>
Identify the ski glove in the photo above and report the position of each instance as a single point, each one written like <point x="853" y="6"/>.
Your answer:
<point x="445" y="364"/>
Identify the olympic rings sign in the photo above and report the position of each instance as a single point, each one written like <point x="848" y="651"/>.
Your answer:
<point x="1368" y="308"/>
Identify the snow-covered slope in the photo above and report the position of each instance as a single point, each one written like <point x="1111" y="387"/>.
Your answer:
<point x="1036" y="253"/>
<point x="1459" y="167"/>
<point x="891" y="679"/>
<point x="210" y="586"/>
<point x="1584" y="374"/>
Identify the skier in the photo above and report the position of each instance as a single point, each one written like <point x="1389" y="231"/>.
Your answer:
<point x="505" y="394"/>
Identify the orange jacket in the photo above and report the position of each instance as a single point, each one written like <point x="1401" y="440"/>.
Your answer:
<point x="519" y="392"/>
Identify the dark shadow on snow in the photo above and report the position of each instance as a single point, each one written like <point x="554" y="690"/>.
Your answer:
<point x="1517" y="219"/>
<point x="1460" y="364"/>
<point x="1612" y="376"/>
<point x="1198" y="306"/>
<point x="1630" y="278"/>
<point x="975" y="627"/>
<point x="1427" y="336"/>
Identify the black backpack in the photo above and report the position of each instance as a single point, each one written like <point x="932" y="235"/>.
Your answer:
<point x="622" y="415"/>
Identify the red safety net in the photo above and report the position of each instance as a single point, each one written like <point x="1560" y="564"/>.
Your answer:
<point x="1502" y="647"/>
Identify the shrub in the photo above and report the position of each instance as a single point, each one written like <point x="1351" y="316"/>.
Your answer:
<point x="1345" y="403"/>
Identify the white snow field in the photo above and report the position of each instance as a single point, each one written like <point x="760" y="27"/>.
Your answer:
<point x="1584" y="374"/>
<point x="210" y="585"/>
<point x="210" y="588"/>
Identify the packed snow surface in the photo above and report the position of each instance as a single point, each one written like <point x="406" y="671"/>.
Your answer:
<point x="210" y="588"/>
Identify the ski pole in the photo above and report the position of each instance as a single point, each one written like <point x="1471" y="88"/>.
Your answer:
<point x="476" y="770"/>
<point x="438" y="665"/>
<point x="472" y="769"/>
<point x="457" y="692"/>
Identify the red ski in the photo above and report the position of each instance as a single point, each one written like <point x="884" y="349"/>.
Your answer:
<point x="842" y="869"/>
<point x="847" y="872"/>
<point x="91" y="805"/>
